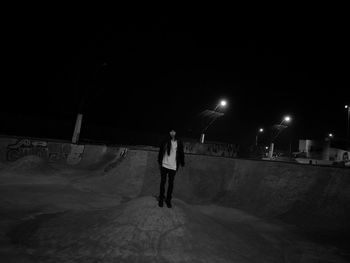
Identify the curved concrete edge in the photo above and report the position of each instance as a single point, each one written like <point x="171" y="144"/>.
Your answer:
<point x="305" y="195"/>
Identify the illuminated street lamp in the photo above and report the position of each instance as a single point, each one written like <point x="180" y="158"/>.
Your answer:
<point x="221" y="104"/>
<point x="285" y="119"/>
<point x="330" y="135"/>
<point x="261" y="130"/>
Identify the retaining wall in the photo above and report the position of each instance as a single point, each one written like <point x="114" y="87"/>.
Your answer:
<point x="309" y="196"/>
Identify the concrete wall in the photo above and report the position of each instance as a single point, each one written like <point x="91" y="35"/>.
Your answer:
<point x="317" y="197"/>
<point x="13" y="148"/>
<point x="214" y="149"/>
<point x="314" y="197"/>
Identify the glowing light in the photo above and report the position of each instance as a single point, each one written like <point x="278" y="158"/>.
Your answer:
<point x="287" y="118"/>
<point x="261" y="130"/>
<point x="223" y="103"/>
<point x="330" y="135"/>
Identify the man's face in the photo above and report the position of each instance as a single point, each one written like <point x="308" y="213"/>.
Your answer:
<point x="172" y="133"/>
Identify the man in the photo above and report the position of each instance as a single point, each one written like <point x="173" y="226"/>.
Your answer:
<point x="171" y="156"/>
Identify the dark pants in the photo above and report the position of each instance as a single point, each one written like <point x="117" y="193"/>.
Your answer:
<point x="171" y="174"/>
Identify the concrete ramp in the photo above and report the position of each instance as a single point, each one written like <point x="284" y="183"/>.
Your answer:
<point x="308" y="196"/>
<point x="139" y="231"/>
<point x="100" y="206"/>
<point x="123" y="176"/>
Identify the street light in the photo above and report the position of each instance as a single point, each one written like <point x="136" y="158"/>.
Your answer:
<point x="348" y="120"/>
<point x="285" y="119"/>
<point x="261" y="130"/>
<point x="330" y="135"/>
<point x="221" y="104"/>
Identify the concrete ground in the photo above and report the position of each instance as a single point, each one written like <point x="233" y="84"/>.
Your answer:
<point x="59" y="213"/>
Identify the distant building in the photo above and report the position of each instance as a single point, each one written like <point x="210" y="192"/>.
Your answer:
<point x="330" y="152"/>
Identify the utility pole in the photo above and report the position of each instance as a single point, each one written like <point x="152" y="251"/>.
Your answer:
<point x="79" y="119"/>
<point x="77" y="128"/>
<point x="348" y="121"/>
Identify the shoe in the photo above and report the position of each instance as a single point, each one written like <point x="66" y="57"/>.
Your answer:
<point x="168" y="203"/>
<point x="160" y="202"/>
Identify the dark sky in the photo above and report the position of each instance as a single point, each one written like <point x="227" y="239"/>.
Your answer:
<point x="167" y="69"/>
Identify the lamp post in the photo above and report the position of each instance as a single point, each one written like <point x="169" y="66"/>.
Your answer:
<point x="78" y="121"/>
<point x="348" y="120"/>
<point x="261" y="130"/>
<point x="221" y="104"/>
<point x="285" y="119"/>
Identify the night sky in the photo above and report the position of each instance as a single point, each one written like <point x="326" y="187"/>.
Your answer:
<point x="145" y="73"/>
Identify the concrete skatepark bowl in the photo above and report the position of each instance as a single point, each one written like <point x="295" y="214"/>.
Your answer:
<point x="102" y="208"/>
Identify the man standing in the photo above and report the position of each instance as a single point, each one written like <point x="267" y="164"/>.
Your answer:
<point x="171" y="156"/>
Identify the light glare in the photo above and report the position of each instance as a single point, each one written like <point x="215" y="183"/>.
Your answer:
<point x="287" y="118"/>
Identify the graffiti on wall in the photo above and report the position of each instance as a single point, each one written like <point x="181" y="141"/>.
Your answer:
<point x="120" y="156"/>
<point x="75" y="154"/>
<point x="24" y="147"/>
<point x="58" y="151"/>
<point x="216" y="149"/>
<point x="53" y="152"/>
